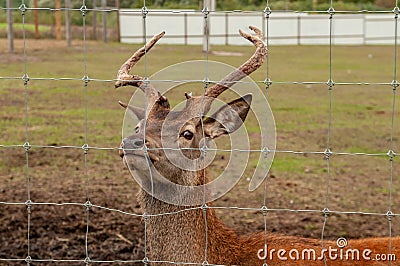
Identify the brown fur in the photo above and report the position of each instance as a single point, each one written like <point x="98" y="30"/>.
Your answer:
<point x="181" y="237"/>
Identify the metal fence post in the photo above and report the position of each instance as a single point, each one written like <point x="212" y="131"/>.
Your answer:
<point x="68" y="22"/>
<point x="58" y="20"/>
<point x="104" y="18"/>
<point x="36" y="18"/>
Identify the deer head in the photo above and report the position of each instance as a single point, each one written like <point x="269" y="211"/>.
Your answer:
<point x="173" y="142"/>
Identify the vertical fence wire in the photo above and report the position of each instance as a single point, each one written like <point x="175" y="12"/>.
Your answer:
<point x="85" y="146"/>
<point x="26" y="146"/>
<point x="327" y="152"/>
<point x="264" y="208"/>
<point x="146" y="258"/>
<point x="206" y="14"/>
<point x="391" y="152"/>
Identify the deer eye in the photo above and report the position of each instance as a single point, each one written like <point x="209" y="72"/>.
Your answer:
<point x="187" y="134"/>
<point x="137" y="129"/>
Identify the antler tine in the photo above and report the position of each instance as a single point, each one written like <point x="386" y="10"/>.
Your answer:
<point x="123" y="76"/>
<point x="253" y="63"/>
<point x="257" y="31"/>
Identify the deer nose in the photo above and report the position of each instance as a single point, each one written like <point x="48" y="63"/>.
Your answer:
<point x="127" y="144"/>
<point x="137" y="143"/>
<point x="120" y="151"/>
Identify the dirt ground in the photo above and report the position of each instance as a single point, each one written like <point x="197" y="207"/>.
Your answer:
<point x="59" y="231"/>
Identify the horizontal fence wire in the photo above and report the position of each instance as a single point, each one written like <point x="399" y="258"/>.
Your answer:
<point x="86" y="147"/>
<point x="175" y="11"/>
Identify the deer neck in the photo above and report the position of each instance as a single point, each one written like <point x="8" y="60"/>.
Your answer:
<point x="180" y="234"/>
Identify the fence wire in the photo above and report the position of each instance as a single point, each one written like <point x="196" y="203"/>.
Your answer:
<point x="267" y="83"/>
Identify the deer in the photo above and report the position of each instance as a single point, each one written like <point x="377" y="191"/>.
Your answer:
<point x="196" y="235"/>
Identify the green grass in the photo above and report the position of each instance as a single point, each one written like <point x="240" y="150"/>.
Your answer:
<point x="28" y="27"/>
<point x="361" y="115"/>
<point x="289" y="165"/>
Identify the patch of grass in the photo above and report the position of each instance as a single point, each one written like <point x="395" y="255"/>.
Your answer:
<point x="302" y="165"/>
<point x="289" y="164"/>
<point x="310" y="227"/>
<point x="355" y="149"/>
<point x="29" y="27"/>
<point x="301" y="111"/>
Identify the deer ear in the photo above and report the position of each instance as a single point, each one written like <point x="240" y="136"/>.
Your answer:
<point x="133" y="110"/>
<point x="228" y="118"/>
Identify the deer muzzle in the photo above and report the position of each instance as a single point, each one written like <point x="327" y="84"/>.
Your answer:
<point x="129" y="146"/>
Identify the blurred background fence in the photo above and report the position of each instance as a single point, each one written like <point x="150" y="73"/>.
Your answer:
<point x="111" y="20"/>
<point x="286" y="28"/>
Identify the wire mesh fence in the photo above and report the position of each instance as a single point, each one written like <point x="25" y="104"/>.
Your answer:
<point x="268" y="83"/>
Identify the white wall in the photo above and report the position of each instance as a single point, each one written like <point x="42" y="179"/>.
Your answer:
<point x="186" y="27"/>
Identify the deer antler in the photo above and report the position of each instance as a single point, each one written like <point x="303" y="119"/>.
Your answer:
<point x="253" y="63"/>
<point x="126" y="79"/>
<point x="153" y="96"/>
